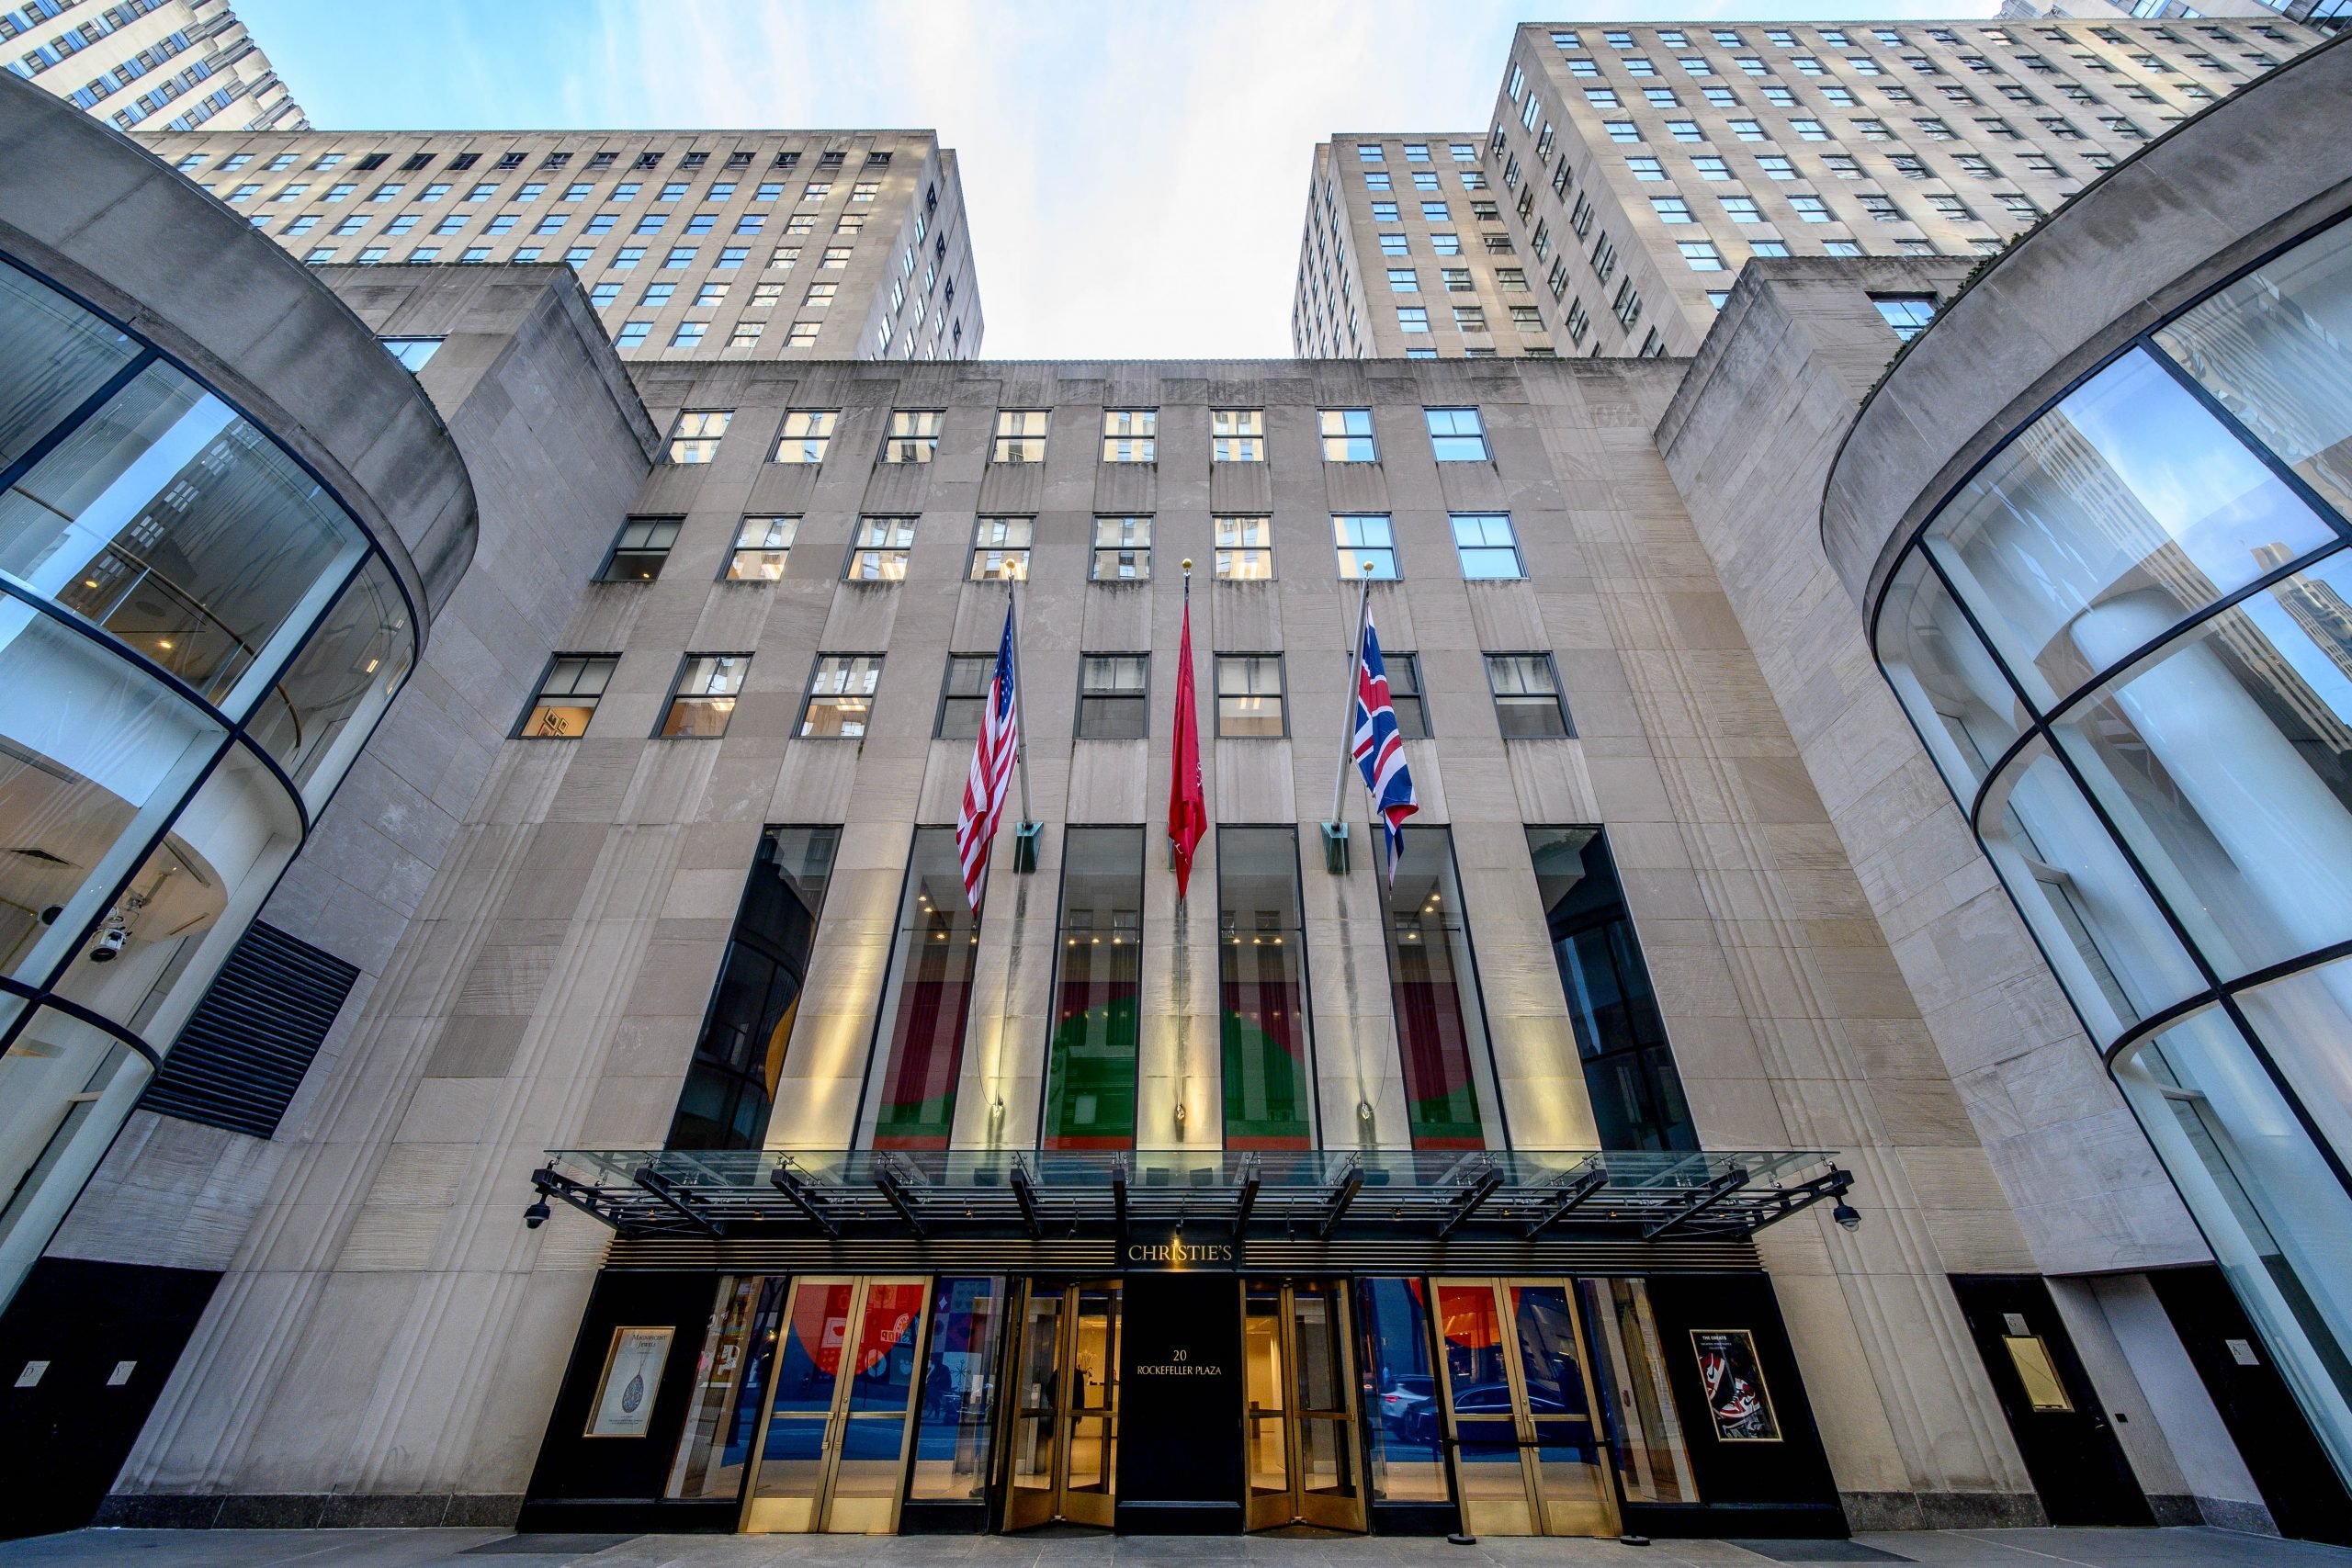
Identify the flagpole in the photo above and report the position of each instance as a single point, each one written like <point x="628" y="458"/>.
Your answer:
<point x="1348" y="712"/>
<point x="1021" y="740"/>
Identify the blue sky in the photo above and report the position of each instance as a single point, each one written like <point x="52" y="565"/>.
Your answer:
<point x="1136" y="172"/>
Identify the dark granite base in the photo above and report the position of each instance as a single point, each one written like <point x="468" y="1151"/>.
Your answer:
<point x="304" y="1511"/>
<point x="1942" y="1510"/>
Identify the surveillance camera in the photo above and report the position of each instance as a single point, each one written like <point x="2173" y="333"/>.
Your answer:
<point x="1846" y="1214"/>
<point x="537" y="1214"/>
<point x="48" y="915"/>
<point x="109" y="945"/>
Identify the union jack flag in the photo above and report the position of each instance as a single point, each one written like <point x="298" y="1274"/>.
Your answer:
<point x="1379" y="750"/>
<point x="993" y="755"/>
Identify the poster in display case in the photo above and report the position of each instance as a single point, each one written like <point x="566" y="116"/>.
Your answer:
<point x="623" y="1403"/>
<point x="1733" y="1380"/>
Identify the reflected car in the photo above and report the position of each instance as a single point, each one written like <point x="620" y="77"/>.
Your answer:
<point x="1404" y="1402"/>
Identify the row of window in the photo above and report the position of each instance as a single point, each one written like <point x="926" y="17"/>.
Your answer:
<point x="814" y="193"/>
<point x="1267" y="1072"/>
<point x="1114" y="695"/>
<point x="1843" y="98"/>
<point x="1567" y="38"/>
<point x="506" y="163"/>
<point x="1698" y="66"/>
<point x="1129" y="435"/>
<point x="698" y="224"/>
<point x="1815" y="209"/>
<point x="1485" y="545"/>
<point x="1843" y="166"/>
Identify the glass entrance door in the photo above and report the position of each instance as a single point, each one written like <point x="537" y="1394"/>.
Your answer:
<point x="1528" y="1455"/>
<point x="833" y="1451"/>
<point x="1300" y="1406"/>
<point x="1066" y="1407"/>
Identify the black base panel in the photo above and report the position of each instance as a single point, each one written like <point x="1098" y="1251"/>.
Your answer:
<point x="942" y="1519"/>
<point x="1179" y="1519"/>
<point x="623" y="1516"/>
<point x="1415" y="1519"/>
<point x="1757" y="1521"/>
<point x="1811" y="1551"/>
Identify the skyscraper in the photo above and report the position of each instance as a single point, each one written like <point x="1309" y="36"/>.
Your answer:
<point x="140" y="65"/>
<point x="826" y="244"/>
<point x="1636" y="168"/>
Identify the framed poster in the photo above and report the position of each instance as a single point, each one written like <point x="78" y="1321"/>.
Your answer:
<point x="624" y="1402"/>
<point x="1733" y="1380"/>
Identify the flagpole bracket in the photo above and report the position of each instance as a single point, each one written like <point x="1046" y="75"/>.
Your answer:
<point x="1335" y="848"/>
<point x="1025" y="839"/>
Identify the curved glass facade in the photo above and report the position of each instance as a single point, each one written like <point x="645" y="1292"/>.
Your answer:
<point x="194" y="639"/>
<point x="2127" y="641"/>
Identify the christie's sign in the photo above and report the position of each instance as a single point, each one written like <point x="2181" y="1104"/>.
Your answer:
<point x="1173" y="1252"/>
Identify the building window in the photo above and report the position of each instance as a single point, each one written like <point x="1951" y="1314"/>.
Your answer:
<point x="802" y="335"/>
<point x="1001" y="549"/>
<point x="1020" y="436"/>
<point x="1700" y="255"/>
<point x="1090" y="1056"/>
<point x="1347" y="435"/>
<point x="913" y="435"/>
<point x="695" y="438"/>
<point x="1245" y="548"/>
<point x="1114" y="692"/>
<point x="1908" y="314"/>
<point x="762" y="545"/>
<point x="1130" y="435"/>
<point x="1413" y="318"/>
<point x="568" y="694"/>
<point x="964" y="695"/>
<point x="1456" y="435"/>
<point x="841" y="696"/>
<point x="632" y="334"/>
<point x="1527" y="696"/>
<point x="1629" y="1076"/>
<point x="728" y="1096"/>
<point x="1367" y="546"/>
<point x="688" y="335"/>
<point x="1121" y="551"/>
<point x="879" y="554"/>
<point x="1487" y="547"/>
<point x="926" y="1003"/>
<point x="1264" y="1047"/>
<point x="704" y="699"/>
<point x="1238" y="435"/>
<point x="1250" y="695"/>
<point x="806" y="431"/>
<point x="641" y="549"/>
<point x="1440" y="1022"/>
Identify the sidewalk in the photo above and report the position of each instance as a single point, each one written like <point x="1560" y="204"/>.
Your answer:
<point x="497" y="1548"/>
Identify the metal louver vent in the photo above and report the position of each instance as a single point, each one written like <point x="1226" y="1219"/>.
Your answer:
<point x="245" y="1048"/>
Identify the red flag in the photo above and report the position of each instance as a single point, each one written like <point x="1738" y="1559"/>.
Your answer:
<point x="1188" y="809"/>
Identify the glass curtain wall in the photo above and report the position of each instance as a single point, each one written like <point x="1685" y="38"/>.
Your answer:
<point x="911" y="1104"/>
<point x="730" y="1086"/>
<point x="1262" y="983"/>
<point x="2127" y="642"/>
<point x="1629" y="1068"/>
<point x="1441" y="1026"/>
<point x="1091" y="1059"/>
<point x="194" y="639"/>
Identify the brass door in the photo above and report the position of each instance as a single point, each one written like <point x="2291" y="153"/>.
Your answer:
<point x="1529" y="1455"/>
<point x="1065" y="1407"/>
<point x="833" y="1443"/>
<point x="1299" y="1406"/>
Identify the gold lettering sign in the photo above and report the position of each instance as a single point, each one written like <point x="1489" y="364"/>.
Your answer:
<point x="1176" y="1252"/>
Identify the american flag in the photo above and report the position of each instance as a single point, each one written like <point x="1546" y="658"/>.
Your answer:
<point x="1379" y="750"/>
<point x="993" y="756"/>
